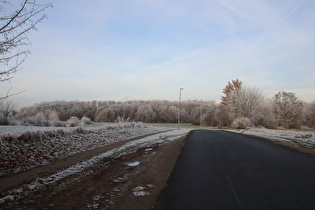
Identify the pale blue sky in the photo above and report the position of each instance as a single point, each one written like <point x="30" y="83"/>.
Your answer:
<point x="148" y="49"/>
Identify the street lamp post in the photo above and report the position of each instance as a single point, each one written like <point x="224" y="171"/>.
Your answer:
<point x="179" y="103"/>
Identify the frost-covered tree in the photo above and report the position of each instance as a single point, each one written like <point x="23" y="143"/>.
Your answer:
<point x="264" y="116"/>
<point x="208" y="117"/>
<point x="203" y="113"/>
<point x="222" y="116"/>
<point x="167" y="114"/>
<point x="46" y="111"/>
<point x="163" y="114"/>
<point x="129" y="110"/>
<point x="246" y="101"/>
<point x="53" y="119"/>
<point x="17" y="18"/>
<point x="287" y="109"/>
<point x="37" y="120"/>
<point x="230" y="91"/>
<point x="185" y="117"/>
<point x="240" y="101"/>
<point x="241" y="123"/>
<point x="106" y="114"/>
<point x="145" y="114"/>
<point x="108" y="111"/>
<point x="309" y="119"/>
<point x="6" y="108"/>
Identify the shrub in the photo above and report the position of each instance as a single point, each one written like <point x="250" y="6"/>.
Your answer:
<point x="54" y="119"/>
<point x="241" y="123"/>
<point x="37" y="120"/>
<point x="85" y="120"/>
<point x="78" y="129"/>
<point x="47" y="118"/>
<point x="60" y="124"/>
<point x="73" y="121"/>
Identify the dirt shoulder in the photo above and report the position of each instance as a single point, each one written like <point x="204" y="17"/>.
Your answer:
<point x="111" y="184"/>
<point x="112" y="187"/>
<point x="155" y="172"/>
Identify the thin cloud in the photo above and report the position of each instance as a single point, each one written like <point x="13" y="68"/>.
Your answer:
<point x="112" y="50"/>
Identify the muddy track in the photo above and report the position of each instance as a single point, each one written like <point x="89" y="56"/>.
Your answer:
<point x="108" y="185"/>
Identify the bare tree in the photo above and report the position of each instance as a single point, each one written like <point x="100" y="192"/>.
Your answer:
<point x="14" y="26"/>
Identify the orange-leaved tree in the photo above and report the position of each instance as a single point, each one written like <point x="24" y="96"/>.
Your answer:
<point x="230" y="90"/>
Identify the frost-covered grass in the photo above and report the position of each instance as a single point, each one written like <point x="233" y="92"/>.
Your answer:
<point x="27" y="147"/>
<point x="127" y="148"/>
<point x="8" y="129"/>
<point x="175" y="125"/>
<point x="305" y="139"/>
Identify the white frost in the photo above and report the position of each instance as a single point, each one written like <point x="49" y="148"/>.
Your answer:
<point x="141" y="193"/>
<point x="133" y="164"/>
<point x="301" y="138"/>
<point x="20" y="151"/>
<point x="127" y="148"/>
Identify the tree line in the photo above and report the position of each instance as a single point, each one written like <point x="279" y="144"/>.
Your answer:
<point x="241" y="106"/>
<point x="154" y="111"/>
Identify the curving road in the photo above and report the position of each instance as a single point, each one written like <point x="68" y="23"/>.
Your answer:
<point x="222" y="170"/>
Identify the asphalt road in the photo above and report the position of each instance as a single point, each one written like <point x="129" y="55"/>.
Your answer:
<point x="222" y="170"/>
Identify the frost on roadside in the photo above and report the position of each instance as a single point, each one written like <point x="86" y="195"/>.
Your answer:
<point x="304" y="139"/>
<point x="20" y="151"/>
<point x="127" y="148"/>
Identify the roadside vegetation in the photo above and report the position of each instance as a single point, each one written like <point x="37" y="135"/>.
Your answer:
<point x="241" y="107"/>
<point x="32" y="147"/>
<point x="50" y="145"/>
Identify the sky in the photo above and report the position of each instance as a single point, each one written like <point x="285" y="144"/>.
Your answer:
<point x="148" y="49"/>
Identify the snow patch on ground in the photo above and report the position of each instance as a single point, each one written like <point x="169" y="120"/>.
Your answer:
<point x="132" y="164"/>
<point x="304" y="139"/>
